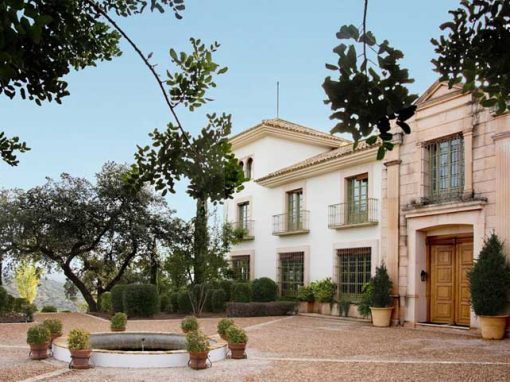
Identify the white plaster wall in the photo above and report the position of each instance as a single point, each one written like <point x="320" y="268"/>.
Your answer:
<point x="319" y="192"/>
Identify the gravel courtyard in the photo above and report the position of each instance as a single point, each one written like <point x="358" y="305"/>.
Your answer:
<point x="299" y="348"/>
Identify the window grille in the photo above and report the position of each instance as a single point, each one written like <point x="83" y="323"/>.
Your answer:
<point x="354" y="266"/>
<point x="241" y="268"/>
<point x="446" y="168"/>
<point x="291" y="273"/>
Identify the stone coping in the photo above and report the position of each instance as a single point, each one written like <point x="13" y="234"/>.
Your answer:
<point x="214" y="344"/>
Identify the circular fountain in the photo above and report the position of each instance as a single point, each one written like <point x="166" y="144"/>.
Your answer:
<point x="138" y="350"/>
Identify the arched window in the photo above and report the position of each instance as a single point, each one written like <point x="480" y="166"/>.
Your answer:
<point x="241" y="163"/>
<point x="249" y="166"/>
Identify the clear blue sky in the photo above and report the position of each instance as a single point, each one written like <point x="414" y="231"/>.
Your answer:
<point x="112" y="107"/>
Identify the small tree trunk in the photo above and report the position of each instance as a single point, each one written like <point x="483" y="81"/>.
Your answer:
<point x="87" y="295"/>
<point x="1" y="269"/>
<point x="200" y="241"/>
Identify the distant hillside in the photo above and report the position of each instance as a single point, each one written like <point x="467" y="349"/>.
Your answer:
<point x="50" y="292"/>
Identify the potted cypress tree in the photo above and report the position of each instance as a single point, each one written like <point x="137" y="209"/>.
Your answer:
<point x="489" y="282"/>
<point x="55" y="327"/>
<point x="381" y="308"/>
<point x="197" y="345"/>
<point x="223" y="325"/>
<point x="118" y="322"/>
<point x="237" y="340"/>
<point x="38" y="337"/>
<point x="79" y="346"/>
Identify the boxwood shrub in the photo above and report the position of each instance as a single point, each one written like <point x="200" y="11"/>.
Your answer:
<point x="226" y="285"/>
<point x="141" y="300"/>
<point x="117" y="297"/>
<point x="105" y="302"/>
<point x="264" y="290"/>
<point x="49" y="309"/>
<point x="218" y="298"/>
<point x="174" y="302"/>
<point x="241" y="292"/>
<point x="184" y="303"/>
<point x="257" y="309"/>
<point x="164" y="303"/>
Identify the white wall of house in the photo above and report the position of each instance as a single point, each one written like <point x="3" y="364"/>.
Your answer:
<point x="320" y="191"/>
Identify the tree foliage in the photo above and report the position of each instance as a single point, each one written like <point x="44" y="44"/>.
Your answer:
<point x="27" y="277"/>
<point x="489" y="279"/>
<point x="41" y="41"/>
<point x="91" y="232"/>
<point x="368" y="95"/>
<point x="372" y="92"/>
<point x="475" y="51"/>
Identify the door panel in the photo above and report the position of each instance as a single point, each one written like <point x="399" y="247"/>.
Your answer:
<point x="442" y="283"/>
<point x="464" y="264"/>
<point x="449" y="284"/>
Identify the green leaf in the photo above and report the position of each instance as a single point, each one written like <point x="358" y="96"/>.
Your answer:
<point x="381" y="152"/>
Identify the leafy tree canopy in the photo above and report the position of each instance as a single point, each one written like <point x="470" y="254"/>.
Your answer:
<point x="475" y="51"/>
<point x="91" y="232"/>
<point x="42" y="40"/>
<point x="371" y="92"/>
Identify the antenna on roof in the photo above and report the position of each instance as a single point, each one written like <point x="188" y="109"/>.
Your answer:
<point x="277" y="99"/>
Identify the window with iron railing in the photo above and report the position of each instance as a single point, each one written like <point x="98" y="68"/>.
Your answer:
<point x="291" y="272"/>
<point x="357" y="202"/>
<point x="446" y="168"/>
<point x="353" y="267"/>
<point x="241" y="268"/>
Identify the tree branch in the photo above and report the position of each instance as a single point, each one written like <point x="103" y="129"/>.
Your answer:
<point x="103" y="13"/>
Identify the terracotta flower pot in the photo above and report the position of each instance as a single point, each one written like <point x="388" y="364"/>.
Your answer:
<point x="493" y="327"/>
<point x="198" y="360"/>
<point x="309" y="306"/>
<point x="118" y="329"/>
<point x="237" y="350"/>
<point x="39" y="351"/>
<point x="80" y="358"/>
<point x="381" y="317"/>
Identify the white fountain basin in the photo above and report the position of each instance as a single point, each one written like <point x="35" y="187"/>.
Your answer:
<point x="109" y="349"/>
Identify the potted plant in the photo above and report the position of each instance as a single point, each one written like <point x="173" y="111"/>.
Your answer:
<point x="237" y="340"/>
<point x="197" y="345"/>
<point x="305" y="295"/>
<point x="118" y="322"/>
<point x="344" y="307"/>
<point x="38" y="337"/>
<point x="223" y="325"/>
<point x="189" y="324"/>
<point x="380" y="307"/>
<point x="324" y="293"/>
<point x="79" y="346"/>
<point x="55" y="328"/>
<point x="489" y="282"/>
<point x="367" y="292"/>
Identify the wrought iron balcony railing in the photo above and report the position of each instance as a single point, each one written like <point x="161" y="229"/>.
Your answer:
<point x="291" y="223"/>
<point x="243" y="230"/>
<point x="362" y="212"/>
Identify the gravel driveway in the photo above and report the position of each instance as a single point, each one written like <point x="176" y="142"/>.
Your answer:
<point x="296" y="348"/>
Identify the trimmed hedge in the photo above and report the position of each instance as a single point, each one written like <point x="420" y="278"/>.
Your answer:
<point x="184" y="303"/>
<point x="117" y="294"/>
<point x="241" y="292"/>
<point x="49" y="309"/>
<point x="4" y="303"/>
<point x="105" y="302"/>
<point x="174" y="302"/>
<point x="218" y="298"/>
<point x="257" y="309"/>
<point x="141" y="300"/>
<point x="164" y="303"/>
<point x="264" y="290"/>
<point x="226" y="285"/>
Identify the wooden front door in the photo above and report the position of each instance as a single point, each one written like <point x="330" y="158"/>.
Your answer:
<point x="450" y="262"/>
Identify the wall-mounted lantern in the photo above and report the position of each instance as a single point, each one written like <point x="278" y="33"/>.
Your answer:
<point x="423" y="275"/>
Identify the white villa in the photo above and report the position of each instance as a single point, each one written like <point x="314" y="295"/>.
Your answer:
<point x="315" y="208"/>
